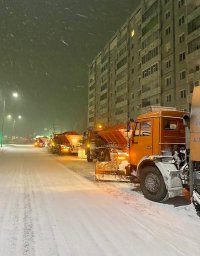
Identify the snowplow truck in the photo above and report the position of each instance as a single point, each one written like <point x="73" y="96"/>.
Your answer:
<point x="65" y="143"/>
<point x="157" y="154"/>
<point x="103" y="143"/>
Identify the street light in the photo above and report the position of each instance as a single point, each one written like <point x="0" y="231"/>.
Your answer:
<point x="14" y="95"/>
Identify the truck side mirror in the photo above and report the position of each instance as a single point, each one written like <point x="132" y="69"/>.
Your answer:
<point x="186" y="120"/>
<point x="128" y="125"/>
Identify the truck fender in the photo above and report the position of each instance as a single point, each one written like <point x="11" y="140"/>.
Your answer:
<point x="170" y="174"/>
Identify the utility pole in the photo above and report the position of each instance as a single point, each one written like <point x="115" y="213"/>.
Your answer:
<point x="2" y="122"/>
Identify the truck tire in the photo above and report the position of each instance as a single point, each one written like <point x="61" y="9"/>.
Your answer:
<point x="89" y="159"/>
<point x="59" y="152"/>
<point x="152" y="184"/>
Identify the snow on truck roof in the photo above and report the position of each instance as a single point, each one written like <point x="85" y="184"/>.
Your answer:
<point x="163" y="113"/>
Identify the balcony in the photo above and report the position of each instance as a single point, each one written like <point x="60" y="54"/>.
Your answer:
<point x="150" y="93"/>
<point x="194" y="56"/>
<point x="194" y="76"/>
<point x="193" y="9"/>
<point x="192" y="36"/>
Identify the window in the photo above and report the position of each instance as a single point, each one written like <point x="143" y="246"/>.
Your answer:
<point x="167" y="15"/>
<point x="194" y="45"/>
<point x="168" y="47"/>
<point x="137" y="130"/>
<point x="183" y="94"/>
<point x="168" y="64"/>
<point x="168" y="80"/>
<point x="151" y="54"/>
<point x="182" y="56"/>
<point x="181" y="20"/>
<point x="167" y="31"/>
<point x="181" y="38"/>
<point x="143" y="129"/>
<point x="182" y="75"/>
<point x="169" y="98"/>
<point x="170" y="124"/>
<point x="132" y="33"/>
<point x="194" y="24"/>
<point x="150" y="70"/>
<point x="181" y="3"/>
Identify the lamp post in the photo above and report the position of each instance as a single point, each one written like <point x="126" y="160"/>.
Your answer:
<point x="19" y="117"/>
<point x="2" y="121"/>
<point x="14" y="95"/>
<point x="14" y="123"/>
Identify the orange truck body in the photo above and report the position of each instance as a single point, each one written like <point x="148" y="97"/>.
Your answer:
<point x="195" y="147"/>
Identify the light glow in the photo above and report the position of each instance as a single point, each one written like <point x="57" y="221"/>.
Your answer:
<point x="15" y="94"/>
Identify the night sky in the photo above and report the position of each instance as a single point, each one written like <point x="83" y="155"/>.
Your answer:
<point x="45" y="49"/>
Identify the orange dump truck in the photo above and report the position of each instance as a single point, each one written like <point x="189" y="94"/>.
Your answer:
<point x="157" y="154"/>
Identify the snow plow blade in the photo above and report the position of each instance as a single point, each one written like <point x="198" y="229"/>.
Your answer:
<point x="111" y="171"/>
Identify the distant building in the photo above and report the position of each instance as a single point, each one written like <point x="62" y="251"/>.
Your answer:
<point x="153" y="59"/>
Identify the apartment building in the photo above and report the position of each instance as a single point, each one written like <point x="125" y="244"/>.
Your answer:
<point x="153" y="59"/>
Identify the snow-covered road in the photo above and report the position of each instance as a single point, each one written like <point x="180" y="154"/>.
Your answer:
<point x="48" y="210"/>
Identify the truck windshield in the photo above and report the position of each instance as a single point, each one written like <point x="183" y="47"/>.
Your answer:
<point x="143" y="129"/>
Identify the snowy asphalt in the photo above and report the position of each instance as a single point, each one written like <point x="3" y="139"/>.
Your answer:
<point x="48" y="210"/>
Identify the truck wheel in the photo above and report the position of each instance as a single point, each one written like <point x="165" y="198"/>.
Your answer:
<point x="152" y="184"/>
<point x="89" y="159"/>
<point x="59" y="152"/>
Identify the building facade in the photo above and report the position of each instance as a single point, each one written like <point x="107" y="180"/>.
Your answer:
<point x="153" y="59"/>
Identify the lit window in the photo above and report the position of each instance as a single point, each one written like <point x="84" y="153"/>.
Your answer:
<point x="132" y="33"/>
<point x="168" y="47"/>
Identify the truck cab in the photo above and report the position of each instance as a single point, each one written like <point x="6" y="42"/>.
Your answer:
<point x="157" y="133"/>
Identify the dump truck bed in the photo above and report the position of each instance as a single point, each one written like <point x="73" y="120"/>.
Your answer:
<point x="116" y="136"/>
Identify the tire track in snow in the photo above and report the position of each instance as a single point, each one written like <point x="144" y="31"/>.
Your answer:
<point x="28" y="234"/>
<point x="9" y="214"/>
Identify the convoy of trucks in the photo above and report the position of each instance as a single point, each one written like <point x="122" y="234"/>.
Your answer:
<point x="153" y="149"/>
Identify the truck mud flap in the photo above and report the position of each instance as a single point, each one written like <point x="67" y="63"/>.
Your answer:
<point x="171" y="178"/>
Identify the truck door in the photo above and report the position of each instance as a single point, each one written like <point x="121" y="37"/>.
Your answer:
<point x="142" y="141"/>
